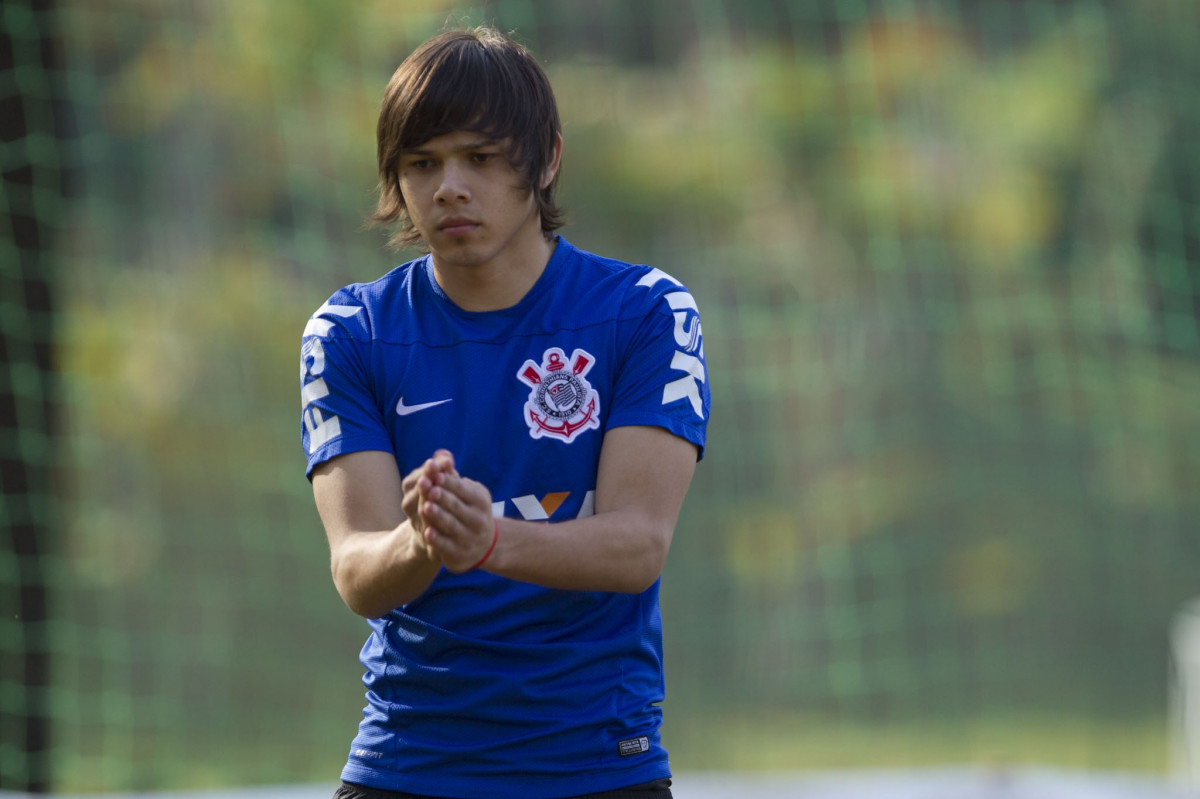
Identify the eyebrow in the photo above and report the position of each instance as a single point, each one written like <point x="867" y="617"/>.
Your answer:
<point x="471" y="145"/>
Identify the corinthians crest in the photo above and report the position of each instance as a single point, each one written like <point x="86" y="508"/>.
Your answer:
<point x="562" y="403"/>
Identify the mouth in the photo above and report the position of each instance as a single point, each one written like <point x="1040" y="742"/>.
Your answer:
<point x="457" y="226"/>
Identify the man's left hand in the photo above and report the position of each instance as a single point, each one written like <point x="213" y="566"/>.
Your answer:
<point x="457" y="512"/>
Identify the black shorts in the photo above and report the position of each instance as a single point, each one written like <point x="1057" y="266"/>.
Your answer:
<point x="658" y="789"/>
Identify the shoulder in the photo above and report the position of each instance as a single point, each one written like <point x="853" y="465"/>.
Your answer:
<point x="658" y="288"/>
<point x="354" y="311"/>
<point x="640" y="289"/>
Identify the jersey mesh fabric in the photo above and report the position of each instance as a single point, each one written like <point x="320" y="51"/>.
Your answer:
<point x="484" y="685"/>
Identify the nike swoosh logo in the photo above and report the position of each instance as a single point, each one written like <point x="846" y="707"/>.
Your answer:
<point x="405" y="410"/>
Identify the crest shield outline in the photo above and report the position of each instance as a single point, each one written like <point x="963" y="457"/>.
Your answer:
<point x="562" y="403"/>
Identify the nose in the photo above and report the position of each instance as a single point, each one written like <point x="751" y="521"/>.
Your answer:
<point x="453" y="185"/>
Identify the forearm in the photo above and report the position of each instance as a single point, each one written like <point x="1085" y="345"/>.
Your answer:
<point x="376" y="572"/>
<point x="641" y="482"/>
<point x="378" y="558"/>
<point x="621" y="551"/>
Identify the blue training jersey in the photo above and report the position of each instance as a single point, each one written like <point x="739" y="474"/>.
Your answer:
<point x="486" y="686"/>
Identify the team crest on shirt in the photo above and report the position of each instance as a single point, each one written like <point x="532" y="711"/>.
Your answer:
<point x="562" y="403"/>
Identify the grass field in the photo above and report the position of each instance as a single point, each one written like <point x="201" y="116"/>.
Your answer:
<point x="716" y="743"/>
<point x="790" y="742"/>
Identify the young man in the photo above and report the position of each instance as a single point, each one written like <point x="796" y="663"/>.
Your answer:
<point x="499" y="436"/>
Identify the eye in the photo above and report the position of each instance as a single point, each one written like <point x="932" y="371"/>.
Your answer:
<point x="482" y="158"/>
<point x="416" y="163"/>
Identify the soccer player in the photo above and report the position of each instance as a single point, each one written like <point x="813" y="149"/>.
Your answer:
<point x="500" y="435"/>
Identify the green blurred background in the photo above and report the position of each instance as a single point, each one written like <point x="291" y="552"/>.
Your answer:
<point x="948" y="259"/>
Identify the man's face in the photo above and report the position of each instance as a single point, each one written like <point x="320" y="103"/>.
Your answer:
<point x="466" y="200"/>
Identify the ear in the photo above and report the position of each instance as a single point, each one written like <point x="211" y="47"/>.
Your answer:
<point x="555" y="159"/>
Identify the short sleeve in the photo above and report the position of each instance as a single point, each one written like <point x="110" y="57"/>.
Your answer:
<point x="663" y="377"/>
<point x="339" y="412"/>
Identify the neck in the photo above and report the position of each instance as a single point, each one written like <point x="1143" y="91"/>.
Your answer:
<point x="499" y="282"/>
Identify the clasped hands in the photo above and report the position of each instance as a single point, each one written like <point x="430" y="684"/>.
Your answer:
<point x="452" y="514"/>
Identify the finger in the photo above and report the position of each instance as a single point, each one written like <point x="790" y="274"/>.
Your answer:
<point x="469" y="531"/>
<point x="436" y="516"/>
<point x="409" y="483"/>
<point x="443" y="460"/>
<point x="410" y="504"/>
<point x="447" y="548"/>
<point x="431" y="470"/>
<point x="444" y="504"/>
<point x="457" y="555"/>
<point x="434" y="541"/>
<point x="455" y="520"/>
<point x="412" y="481"/>
<point x="469" y="491"/>
<point x="461" y="499"/>
<point x="431" y="478"/>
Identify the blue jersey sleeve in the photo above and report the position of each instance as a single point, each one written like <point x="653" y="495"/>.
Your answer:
<point x="339" y="411"/>
<point x="663" y="380"/>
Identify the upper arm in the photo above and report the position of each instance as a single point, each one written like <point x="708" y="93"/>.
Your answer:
<point x="358" y="492"/>
<point x="645" y="470"/>
<point x="340" y="412"/>
<point x="658" y="415"/>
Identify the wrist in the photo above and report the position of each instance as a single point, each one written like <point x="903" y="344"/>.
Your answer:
<point x="492" y="548"/>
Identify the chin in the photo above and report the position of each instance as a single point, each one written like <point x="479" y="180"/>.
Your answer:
<point x="460" y="256"/>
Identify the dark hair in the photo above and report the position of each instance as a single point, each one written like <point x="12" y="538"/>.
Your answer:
<point x="478" y="80"/>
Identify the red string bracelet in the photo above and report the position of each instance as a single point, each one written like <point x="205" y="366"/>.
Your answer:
<point x="491" y="549"/>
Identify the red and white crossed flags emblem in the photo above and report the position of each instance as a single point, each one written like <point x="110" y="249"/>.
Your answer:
<point x="562" y="403"/>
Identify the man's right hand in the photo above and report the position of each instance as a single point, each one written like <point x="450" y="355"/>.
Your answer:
<point x="416" y="487"/>
<point x="378" y="553"/>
